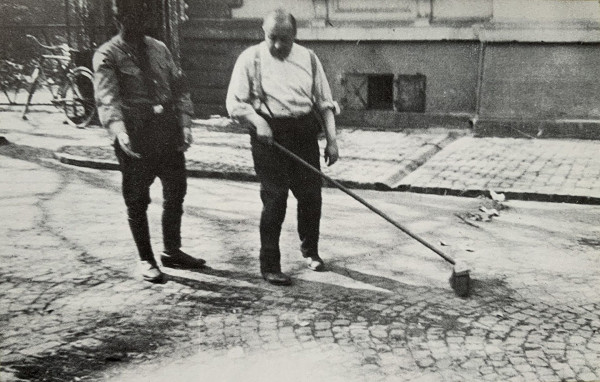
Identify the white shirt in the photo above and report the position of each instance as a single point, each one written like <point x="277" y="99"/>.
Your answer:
<point x="286" y="83"/>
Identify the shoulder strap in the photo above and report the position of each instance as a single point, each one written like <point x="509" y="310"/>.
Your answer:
<point x="313" y="65"/>
<point x="314" y="109"/>
<point x="256" y="85"/>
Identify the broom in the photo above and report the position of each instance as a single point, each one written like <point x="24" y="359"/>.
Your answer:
<point x="460" y="279"/>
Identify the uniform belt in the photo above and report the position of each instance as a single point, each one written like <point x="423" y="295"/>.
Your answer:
<point x="148" y="109"/>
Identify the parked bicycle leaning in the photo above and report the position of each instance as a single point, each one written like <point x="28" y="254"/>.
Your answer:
<point x="70" y="85"/>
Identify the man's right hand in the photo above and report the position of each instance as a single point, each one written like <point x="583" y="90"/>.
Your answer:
<point x="263" y="130"/>
<point x="118" y="130"/>
<point x="125" y="144"/>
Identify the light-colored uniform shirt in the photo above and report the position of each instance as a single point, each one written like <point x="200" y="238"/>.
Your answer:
<point x="287" y="84"/>
<point x="119" y="83"/>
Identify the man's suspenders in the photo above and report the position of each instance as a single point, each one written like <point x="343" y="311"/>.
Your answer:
<point x="256" y="86"/>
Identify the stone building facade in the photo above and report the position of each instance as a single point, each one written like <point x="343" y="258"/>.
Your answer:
<point x="497" y="64"/>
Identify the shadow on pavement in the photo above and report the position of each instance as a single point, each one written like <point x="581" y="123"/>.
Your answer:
<point x="376" y="281"/>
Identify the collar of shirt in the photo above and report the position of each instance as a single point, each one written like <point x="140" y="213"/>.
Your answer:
<point x="128" y="48"/>
<point x="287" y="83"/>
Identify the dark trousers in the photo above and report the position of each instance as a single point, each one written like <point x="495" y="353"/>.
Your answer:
<point x="277" y="174"/>
<point x="138" y="175"/>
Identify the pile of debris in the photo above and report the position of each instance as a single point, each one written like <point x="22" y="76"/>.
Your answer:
<point x="488" y="209"/>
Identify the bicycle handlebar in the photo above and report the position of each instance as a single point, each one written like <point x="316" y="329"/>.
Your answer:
<point x="63" y="47"/>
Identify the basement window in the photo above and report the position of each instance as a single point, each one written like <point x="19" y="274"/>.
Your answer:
<point x="410" y="93"/>
<point x="380" y="92"/>
<point x="384" y="91"/>
<point x="368" y="91"/>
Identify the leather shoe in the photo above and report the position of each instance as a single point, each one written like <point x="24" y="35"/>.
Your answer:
<point x="151" y="272"/>
<point x="315" y="263"/>
<point x="277" y="278"/>
<point x="180" y="259"/>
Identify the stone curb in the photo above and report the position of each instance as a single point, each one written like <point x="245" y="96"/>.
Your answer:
<point x="75" y="160"/>
<point x="388" y="185"/>
<point x="394" y="180"/>
<point x="510" y="195"/>
<point x="101" y="164"/>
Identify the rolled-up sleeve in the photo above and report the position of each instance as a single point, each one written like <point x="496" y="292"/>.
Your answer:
<point x="239" y="93"/>
<point x="106" y="89"/>
<point x="323" y="97"/>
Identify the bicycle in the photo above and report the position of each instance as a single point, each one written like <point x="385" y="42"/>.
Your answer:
<point x="70" y="86"/>
<point x="11" y="80"/>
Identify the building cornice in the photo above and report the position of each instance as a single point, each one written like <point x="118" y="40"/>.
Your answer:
<point x="249" y="29"/>
<point x="488" y="32"/>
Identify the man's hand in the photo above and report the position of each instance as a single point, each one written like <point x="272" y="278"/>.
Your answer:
<point x="118" y="130"/>
<point x="263" y="130"/>
<point x="188" y="139"/>
<point x="185" y="121"/>
<point x="331" y="152"/>
<point x="125" y="145"/>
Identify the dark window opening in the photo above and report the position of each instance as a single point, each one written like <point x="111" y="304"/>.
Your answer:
<point x="380" y="92"/>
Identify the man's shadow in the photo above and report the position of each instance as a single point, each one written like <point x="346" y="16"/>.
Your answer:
<point x="256" y="286"/>
<point x="369" y="279"/>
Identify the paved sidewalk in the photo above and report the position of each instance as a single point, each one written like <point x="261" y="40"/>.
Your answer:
<point x="548" y="170"/>
<point x="370" y="159"/>
<point x="434" y="161"/>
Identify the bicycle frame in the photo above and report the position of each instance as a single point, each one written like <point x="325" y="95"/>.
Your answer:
<point x="40" y="78"/>
<point x="74" y="90"/>
<point x="11" y="80"/>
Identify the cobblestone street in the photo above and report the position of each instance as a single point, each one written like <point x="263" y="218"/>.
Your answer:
<point x="75" y="309"/>
<point x="455" y="143"/>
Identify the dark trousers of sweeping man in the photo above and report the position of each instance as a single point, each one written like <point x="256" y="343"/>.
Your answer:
<point x="279" y="88"/>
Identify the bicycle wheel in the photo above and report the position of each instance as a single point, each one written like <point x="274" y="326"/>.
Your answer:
<point x="78" y="97"/>
<point x="35" y="83"/>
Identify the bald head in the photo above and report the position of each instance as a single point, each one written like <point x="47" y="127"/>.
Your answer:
<point x="280" y="32"/>
<point x="280" y="18"/>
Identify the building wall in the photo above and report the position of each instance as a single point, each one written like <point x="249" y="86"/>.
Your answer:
<point x="450" y="68"/>
<point x="499" y="10"/>
<point x="548" y="81"/>
<point x="462" y="10"/>
<point x="208" y="64"/>
<point x="546" y="10"/>
<point x="301" y="9"/>
<point x="539" y="61"/>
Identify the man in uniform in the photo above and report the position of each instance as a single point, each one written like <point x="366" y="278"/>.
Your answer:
<point x="141" y="98"/>
<point x="275" y="87"/>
